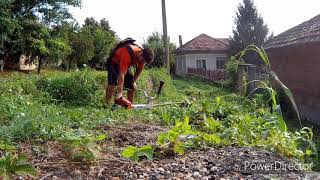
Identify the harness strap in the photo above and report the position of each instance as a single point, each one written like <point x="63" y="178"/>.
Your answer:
<point x="131" y="53"/>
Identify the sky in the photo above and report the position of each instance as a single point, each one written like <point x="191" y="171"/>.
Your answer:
<point x="190" y="18"/>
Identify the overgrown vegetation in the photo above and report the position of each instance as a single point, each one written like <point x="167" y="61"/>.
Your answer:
<point x="249" y="123"/>
<point x="48" y="107"/>
<point x="68" y="108"/>
<point x="227" y="121"/>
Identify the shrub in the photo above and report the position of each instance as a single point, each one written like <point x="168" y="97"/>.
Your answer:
<point x="232" y="67"/>
<point x="76" y="88"/>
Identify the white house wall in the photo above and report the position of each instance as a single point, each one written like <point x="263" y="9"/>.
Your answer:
<point x="191" y="61"/>
<point x="181" y="66"/>
<point x="210" y="60"/>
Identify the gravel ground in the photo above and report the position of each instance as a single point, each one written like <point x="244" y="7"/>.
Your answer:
<point x="225" y="163"/>
<point x="213" y="163"/>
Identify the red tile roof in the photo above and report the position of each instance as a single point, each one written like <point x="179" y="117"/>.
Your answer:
<point x="308" y="31"/>
<point x="204" y="44"/>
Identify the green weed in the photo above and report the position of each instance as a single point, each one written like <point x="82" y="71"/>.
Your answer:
<point x="135" y="153"/>
<point x="82" y="148"/>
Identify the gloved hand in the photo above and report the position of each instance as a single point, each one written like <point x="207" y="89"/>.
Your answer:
<point x="123" y="102"/>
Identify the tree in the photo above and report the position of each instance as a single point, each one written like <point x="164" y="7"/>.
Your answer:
<point x="104" y="24"/>
<point x="35" y="37"/>
<point x="103" y="39"/>
<point x="103" y="42"/>
<point x="47" y="11"/>
<point x="249" y="29"/>
<point x="83" y="48"/>
<point x="7" y="25"/>
<point x="155" y="42"/>
<point x="91" y="24"/>
<point x="59" y="49"/>
<point x="20" y="17"/>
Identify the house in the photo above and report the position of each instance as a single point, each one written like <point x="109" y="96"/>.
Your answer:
<point x="202" y="52"/>
<point x="295" y="57"/>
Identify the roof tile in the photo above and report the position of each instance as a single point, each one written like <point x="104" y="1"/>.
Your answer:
<point x="308" y="31"/>
<point x="204" y="43"/>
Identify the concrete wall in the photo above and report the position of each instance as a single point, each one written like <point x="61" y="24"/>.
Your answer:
<point x="190" y="61"/>
<point x="298" y="67"/>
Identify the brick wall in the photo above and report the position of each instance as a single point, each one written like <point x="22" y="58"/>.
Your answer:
<point x="298" y="67"/>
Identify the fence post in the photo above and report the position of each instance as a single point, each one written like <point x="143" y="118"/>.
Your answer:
<point x="252" y="70"/>
<point x="241" y="74"/>
<point x="246" y="73"/>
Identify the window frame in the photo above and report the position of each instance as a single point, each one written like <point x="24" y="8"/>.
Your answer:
<point x="201" y="64"/>
<point x="221" y="62"/>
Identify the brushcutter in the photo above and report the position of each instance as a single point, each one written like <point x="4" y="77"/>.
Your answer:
<point x="150" y="100"/>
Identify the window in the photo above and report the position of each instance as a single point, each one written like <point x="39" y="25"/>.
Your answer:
<point x="201" y="64"/>
<point x="221" y="61"/>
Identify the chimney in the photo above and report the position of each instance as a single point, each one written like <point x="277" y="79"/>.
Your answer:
<point x="180" y="40"/>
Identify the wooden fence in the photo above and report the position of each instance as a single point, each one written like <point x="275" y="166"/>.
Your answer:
<point x="215" y="75"/>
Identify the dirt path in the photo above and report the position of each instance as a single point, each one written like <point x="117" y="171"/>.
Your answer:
<point x="219" y="163"/>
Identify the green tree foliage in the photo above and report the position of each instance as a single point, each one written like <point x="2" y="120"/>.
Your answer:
<point x="103" y="39"/>
<point x="47" y="11"/>
<point x="59" y="48"/>
<point x="63" y="37"/>
<point x="155" y="42"/>
<point x="83" y="46"/>
<point x="35" y="36"/>
<point x="104" y="24"/>
<point x="25" y="25"/>
<point x="90" y="44"/>
<point x="103" y="42"/>
<point x="249" y="29"/>
<point x="7" y="24"/>
<point x="41" y="29"/>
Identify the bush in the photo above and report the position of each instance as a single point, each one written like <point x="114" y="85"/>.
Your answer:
<point x="232" y="67"/>
<point x="76" y="88"/>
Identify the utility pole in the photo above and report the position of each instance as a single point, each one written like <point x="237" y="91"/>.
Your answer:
<point x="165" y="36"/>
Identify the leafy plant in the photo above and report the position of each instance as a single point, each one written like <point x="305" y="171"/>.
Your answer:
<point x="178" y="138"/>
<point x="134" y="153"/>
<point x="15" y="164"/>
<point x="83" y="148"/>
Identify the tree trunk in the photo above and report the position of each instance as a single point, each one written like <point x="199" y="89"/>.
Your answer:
<point x="69" y="64"/>
<point x="40" y="62"/>
<point x="6" y="57"/>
